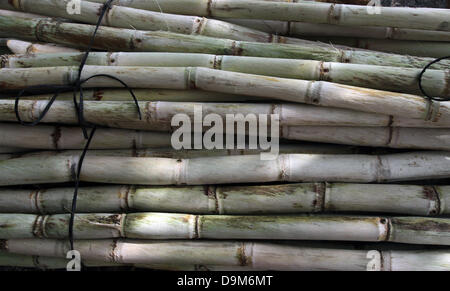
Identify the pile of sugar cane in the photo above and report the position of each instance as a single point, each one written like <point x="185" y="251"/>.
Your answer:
<point x="360" y="180"/>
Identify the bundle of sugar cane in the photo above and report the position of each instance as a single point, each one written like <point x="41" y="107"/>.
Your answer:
<point x="154" y="225"/>
<point x="159" y="114"/>
<point x="232" y="169"/>
<point x="254" y="255"/>
<point x="25" y="47"/>
<point x="120" y="39"/>
<point x="298" y="205"/>
<point x="146" y="20"/>
<point x="304" y="29"/>
<point x="313" y="92"/>
<point x="343" y="14"/>
<point x="377" y="77"/>
<point x="267" y="199"/>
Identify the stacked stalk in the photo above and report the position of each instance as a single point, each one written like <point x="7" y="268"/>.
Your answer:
<point x="59" y="138"/>
<point x="181" y="78"/>
<point x="243" y="200"/>
<point x="25" y="47"/>
<point x="120" y="39"/>
<point x="304" y="29"/>
<point x="166" y="152"/>
<point x="253" y="255"/>
<point x="435" y="49"/>
<point x="148" y="225"/>
<point x="144" y="95"/>
<point x="233" y="169"/>
<point x="376" y="77"/>
<point x="341" y="14"/>
<point x="159" y="114"/>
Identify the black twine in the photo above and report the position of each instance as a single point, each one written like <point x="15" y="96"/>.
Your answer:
<point x="77" y="87"/>
<point x="426" y="96"/>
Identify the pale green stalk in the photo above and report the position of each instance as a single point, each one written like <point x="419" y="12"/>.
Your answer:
<point x="248" y="254"/>
<point x="25" y="47"/>
<point x="228" y="169"/>
<point x="123" y="114"/>
<point x="304" y="29"/>
<point x="145" y="95"/>
<point x="435" y="49"/>
<point x="59" y="138"/>
<point x="148" y="225"/>
<point x="343" y="14"/>
<point x="266" y="199"/>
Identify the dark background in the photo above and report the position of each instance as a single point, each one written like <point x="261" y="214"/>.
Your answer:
<point x="417" y="3"/>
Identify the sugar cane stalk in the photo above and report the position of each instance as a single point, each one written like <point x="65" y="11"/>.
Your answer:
<point x="255" y="255"/>
<point x="72" y="138"/>
<point x="105" y="94"/>
<point x="368" y="76"/>
<point x="25" y="47"/>
<point x="392" y="137"/>
<point x="232" y="169"/>
<point x="343" y="14"/>
<point x="267" y="199"/>
<point x="43" y="263"/>
<point x="166" y="152"/>
<point x="119" y="39"/>
<point x="57" y="137"/>
<point x="304" y="29"/>
<point x="159" y="114"/>
<point x="152" y="225"/>
<point x="413" y="230"/>
<point x="54" y="263"/>
<point x="436" y="49"/>
<point x="182" y="78"/>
